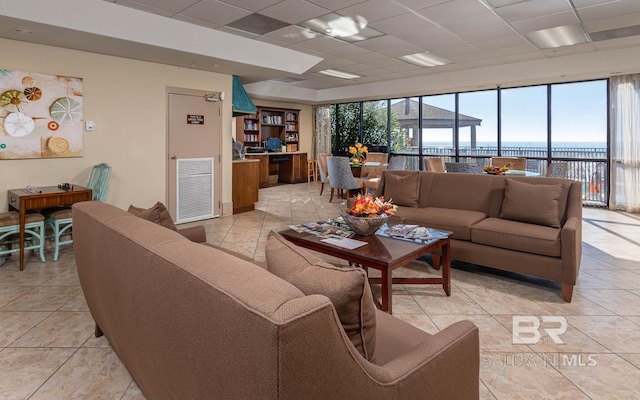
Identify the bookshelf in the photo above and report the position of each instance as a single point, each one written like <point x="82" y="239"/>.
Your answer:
<point x="253" y="130"/>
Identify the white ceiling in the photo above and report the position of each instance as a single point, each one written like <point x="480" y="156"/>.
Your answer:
<point x="484" y="39"/>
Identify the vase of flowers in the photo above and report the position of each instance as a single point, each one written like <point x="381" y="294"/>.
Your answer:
<point x="368" y="214"/>
<point x="358" y="153"/>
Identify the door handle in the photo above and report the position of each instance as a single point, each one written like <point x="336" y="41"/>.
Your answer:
<point x="173" y="156"/>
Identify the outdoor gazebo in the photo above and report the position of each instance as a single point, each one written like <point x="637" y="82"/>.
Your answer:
<point x="407" y="113"/>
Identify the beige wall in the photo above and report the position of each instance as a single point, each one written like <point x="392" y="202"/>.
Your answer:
<point x="127" y="101"/>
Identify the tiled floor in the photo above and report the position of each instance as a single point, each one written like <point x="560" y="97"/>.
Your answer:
<point x="47" y="350"/>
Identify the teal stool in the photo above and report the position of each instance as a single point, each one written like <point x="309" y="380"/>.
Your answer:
<point x="10" y="231"/>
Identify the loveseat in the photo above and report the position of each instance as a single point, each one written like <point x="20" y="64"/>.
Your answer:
<point x="190" y="321"/>
<point x="528" y="225"/>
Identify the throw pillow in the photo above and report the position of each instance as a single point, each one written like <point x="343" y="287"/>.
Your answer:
<point x="158" y="214"/>
<point x="403" y="190"/>
<point x="535" y="204"/>
<point x="347" y="288"/>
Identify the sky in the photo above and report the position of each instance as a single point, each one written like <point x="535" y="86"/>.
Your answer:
<point x="579" y="113"/>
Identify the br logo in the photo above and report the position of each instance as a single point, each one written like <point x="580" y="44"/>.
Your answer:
<point x="526" y="328"/>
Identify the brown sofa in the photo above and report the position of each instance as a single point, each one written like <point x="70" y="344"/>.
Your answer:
<point x="528" y="225"/>
<point x="190" y="321"/>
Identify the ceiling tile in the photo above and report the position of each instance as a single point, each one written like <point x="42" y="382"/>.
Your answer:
<point x="216" y="12"/>
<point x="589" y="3"/>
<point x="390" y="76"/>
<point x="532" y="9"/>
<point x="612" y="23"/>
<point x="358" y="68"/>
<point x="568" y="50"/>
<point x="609" y="10"/>
<point x="171" y="5"/>
<point x="294" y="11"/>
<point x="480" y="35"/>
<point x="373" y="10"/>
<point x="457" y="50"/>
<point x="197" y="21"/>
<point x="380" y="42"/>
<point x="507" y="41"/>
<point x="291" y="34"/>
<point x="335" y="4"/>
<point x="321" y="43"/>
<point x="336" y="63"/>
<point x="472" y="22"/>
<point x="546" y="22"/>
<point x="238" y="32"/>
<point x="401" y="23"/>
<point x="367" y="57"/>
<point x="453" y="10"/>
<point x="401" y="50"/>
<point x="430" y="38"/>
<point x="405" y="67"/>
<point x="386" y="63"/>
<point x="257" y="23"/>
<point x="345" y="51"/>
<point x="482" y="63"/>
<point x="146" y="8"/>
<point x="252" y="5"/>
<point x="514" y="58"/>
<point x="618" y="43"/>
<point x="502" y="3"/>
<point x="271" y="41"/>
<point x="418" y="4"/>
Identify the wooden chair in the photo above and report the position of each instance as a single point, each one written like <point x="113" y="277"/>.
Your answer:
<point x="434" y="164"/>
<point x="515" y="162"/>
<point x="59" y="219"/>
<point x="341" y="177"/>
<point x="10" y="231"/>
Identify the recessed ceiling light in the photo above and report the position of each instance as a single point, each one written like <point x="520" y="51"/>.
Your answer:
<point x="424" y="60"/>
<point x="345" y="28"/>
<point x="559" y="36"/>
<point x="338" y="74"/>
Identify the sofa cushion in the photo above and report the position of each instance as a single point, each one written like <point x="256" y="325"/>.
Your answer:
<point x="518" y="236"/>
<point x="158" y="213"/>
<point x="535" y="204"/>
<point x="347" y="288"/>
<point x="457" y="221"/>
<point x="403" y="190"/>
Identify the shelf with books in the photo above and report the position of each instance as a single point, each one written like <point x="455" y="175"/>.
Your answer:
<point x="255" y="129"/>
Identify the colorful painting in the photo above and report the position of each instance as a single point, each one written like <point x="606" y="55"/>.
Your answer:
<point x="40" y="115"/>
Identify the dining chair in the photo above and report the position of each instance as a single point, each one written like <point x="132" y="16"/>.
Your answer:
<point x="397" y="163"/>
<point x="322" y="168"/>
<point x="59" y="219"/>
<point x="558" y="170"/>
<point x="434" y="164"/>
<point x="10" y="231"/>
<point x="341" y="177"/>
<point x="515" y="162"/>
<point x="463" y="168"/>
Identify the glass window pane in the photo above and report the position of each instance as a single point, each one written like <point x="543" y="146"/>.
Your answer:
<point x="374" y="128"/>
<point x="438" y="124"/>
<point x="579" y="120"/>
<point x="404" y="126"/>
<point x="347" y="127"/>
<point x="524" y="123"/>
<point x="478" y="133"/>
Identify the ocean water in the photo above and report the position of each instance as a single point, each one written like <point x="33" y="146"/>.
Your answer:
<point x="479" y="144"/>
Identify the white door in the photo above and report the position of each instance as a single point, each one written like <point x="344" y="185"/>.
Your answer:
<point x="193" y="155"/>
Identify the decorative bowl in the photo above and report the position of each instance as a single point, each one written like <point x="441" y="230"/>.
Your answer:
<point x="364" y="226"/>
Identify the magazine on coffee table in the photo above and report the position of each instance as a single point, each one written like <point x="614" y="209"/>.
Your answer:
<point x="414" y="233"/>
<point x="327" y="228"/>
<point x="345" y="242"/>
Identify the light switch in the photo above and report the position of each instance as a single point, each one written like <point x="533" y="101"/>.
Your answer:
<point x="89" y="126"/>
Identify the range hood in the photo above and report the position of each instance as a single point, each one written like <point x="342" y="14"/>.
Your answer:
<point x="242" y="104"/>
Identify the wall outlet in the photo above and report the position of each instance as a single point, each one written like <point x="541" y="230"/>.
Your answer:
<point x="89" y="126"/>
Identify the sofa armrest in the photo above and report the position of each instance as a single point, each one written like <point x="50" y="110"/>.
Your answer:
<point x="452" y="355"/>
<point x="571" y="238"/>
<point x="196" y="234"/>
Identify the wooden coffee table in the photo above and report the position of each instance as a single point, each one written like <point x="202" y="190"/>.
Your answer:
<point x="384" y="254"/>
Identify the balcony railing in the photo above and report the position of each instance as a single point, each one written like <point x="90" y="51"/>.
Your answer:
<point x="586" y="165"/>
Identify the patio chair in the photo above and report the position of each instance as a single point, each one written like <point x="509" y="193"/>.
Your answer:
<point x="434" y="164"/>
<point x="341" y="177"/>
<point x="375" y="164"/>
<point x="558" y="170"/>
<point x="59" y="219"/>
<point x="463" y="168"/>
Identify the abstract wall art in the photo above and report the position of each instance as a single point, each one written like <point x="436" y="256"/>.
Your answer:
<point x="40" y="115"/>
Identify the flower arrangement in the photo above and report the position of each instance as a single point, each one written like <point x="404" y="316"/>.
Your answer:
<point x="358" y="153"/>
<point x="369" y="207"/>
<point x="490" y="169"/>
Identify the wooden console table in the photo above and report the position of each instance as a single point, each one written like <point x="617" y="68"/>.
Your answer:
<point x="50" y="196"/>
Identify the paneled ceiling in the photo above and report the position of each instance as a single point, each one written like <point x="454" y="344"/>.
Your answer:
<point x="468" y="34"/>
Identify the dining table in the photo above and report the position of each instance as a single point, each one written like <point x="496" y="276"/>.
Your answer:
<point x="28" y="199"/>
